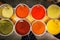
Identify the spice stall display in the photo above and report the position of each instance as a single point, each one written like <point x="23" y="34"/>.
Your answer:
<point x="30" y="21"/>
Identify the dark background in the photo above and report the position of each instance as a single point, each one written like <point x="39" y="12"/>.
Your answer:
<point x="30" y="3"/>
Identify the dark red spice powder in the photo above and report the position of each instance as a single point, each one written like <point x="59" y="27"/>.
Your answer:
<point x="22" y="27"/>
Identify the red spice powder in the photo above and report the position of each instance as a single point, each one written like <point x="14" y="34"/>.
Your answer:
<point x="22" y="27"/>
<point x="38" y="12"/>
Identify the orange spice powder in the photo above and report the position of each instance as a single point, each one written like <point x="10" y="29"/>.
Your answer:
<point x="22" y="11"/>
<point x="38" y="27"/>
